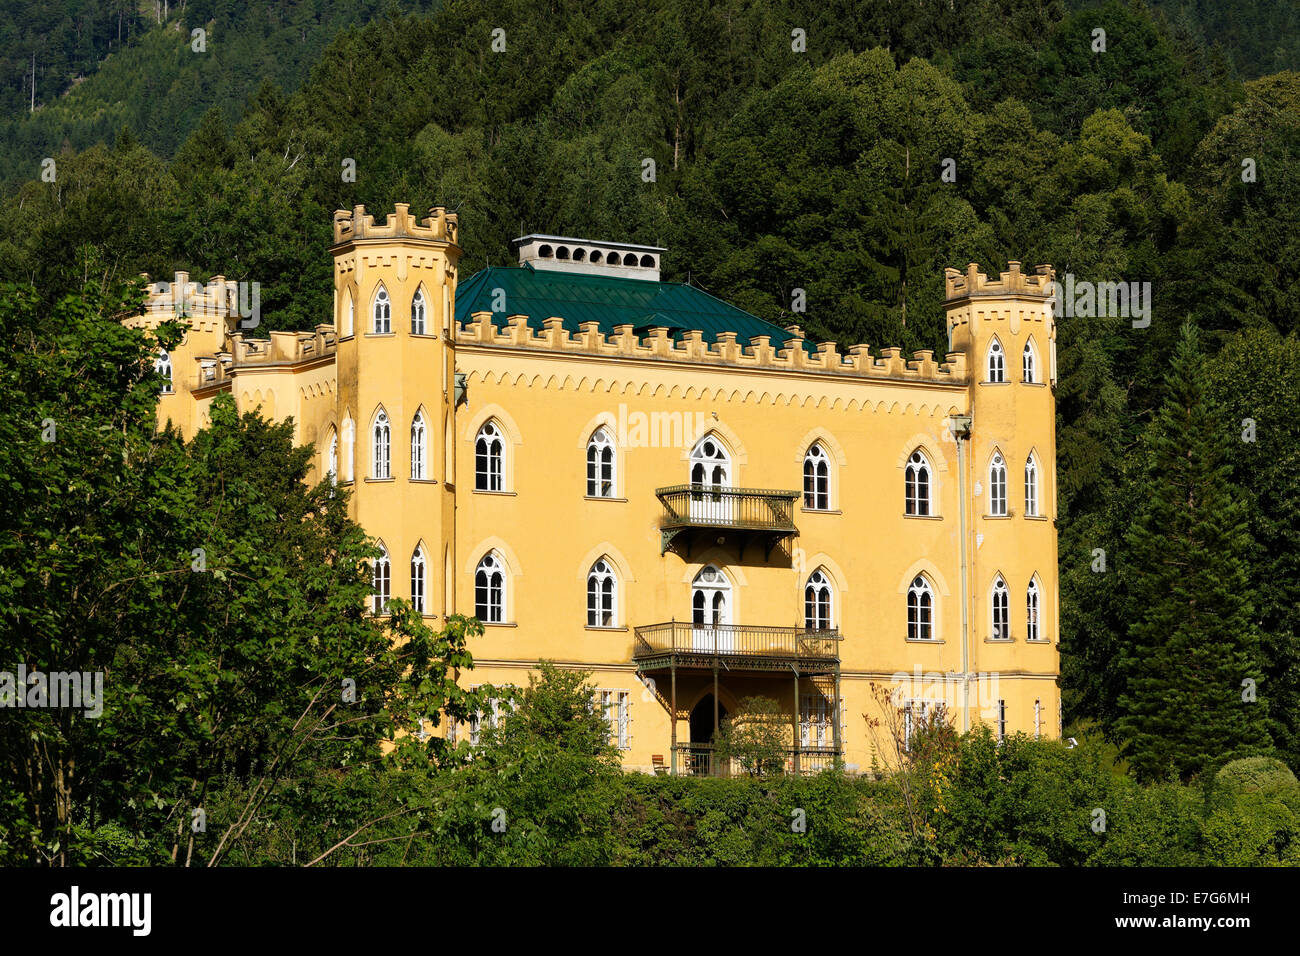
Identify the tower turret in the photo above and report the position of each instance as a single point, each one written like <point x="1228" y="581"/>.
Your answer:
<point x="395" y="293"/>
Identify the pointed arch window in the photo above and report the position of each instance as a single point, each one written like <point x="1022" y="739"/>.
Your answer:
<point x="710" y="471"/>
<point x="711" y="612"/>
<point x="332" y="458"/>
<point x="419" y="580"/>
<point x="382" y="582"/>
<point x="920" y="610"/>
<point x="1028" y="365"/>
<point x="419" y="312"/>
<point x="816" y="479"/>
<point x="1031" y="486"/>
<point x="710" y="463"/>
<point x="383" y="312"/>
<point x="490" y="590"/>
<point x="997" y="365"/>
<point x="817" y="602"/>
<point x="1001" y="610"/>
<point x="602" y="595"/>
<point x="998" y="486"/>
<point x="1032" y="604"/>
<point x="916" y="481"/>
<point x="349" y="312"/>
<point x="382" y="435"/>
<point x="600" y="464"/>
<point x="489" y="459"/>
<point x="163" y="366"/>
<point x="419" y="447"/>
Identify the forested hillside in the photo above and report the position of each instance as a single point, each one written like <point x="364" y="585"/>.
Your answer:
<point x="778" y="168"/>
<point x="101" y="67"/>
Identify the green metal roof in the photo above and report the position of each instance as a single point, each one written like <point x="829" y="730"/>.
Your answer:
<point x="610" y="300"/>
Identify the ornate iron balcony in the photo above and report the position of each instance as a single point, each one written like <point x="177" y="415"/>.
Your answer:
<point x="701" y="760"/>
<point x="692" y="511"/>
<point x="737" y="646"/>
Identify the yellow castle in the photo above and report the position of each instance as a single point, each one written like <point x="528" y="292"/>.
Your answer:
<point x="631" y="477"/>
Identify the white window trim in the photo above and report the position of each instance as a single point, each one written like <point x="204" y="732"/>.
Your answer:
<point x="817" y="455"/>
<point x="999" y="586"/>
<point x="419" y="447"/>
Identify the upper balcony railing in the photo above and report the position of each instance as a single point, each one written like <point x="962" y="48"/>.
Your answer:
<point x="760" y="647"/>
<point x="753" y="512"/>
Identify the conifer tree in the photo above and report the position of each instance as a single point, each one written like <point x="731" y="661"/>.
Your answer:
<point x="1192" y="651"/>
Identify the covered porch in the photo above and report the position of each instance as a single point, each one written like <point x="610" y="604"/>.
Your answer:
<point x="702" y="673"/>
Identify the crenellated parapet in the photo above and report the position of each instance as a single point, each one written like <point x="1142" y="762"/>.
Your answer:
<point x="658" y="344"/>
<point x="973" y="283"/>
<point x="206" y="307"/>
<point x="284" y="348"/>
<point x="439" y="226"/>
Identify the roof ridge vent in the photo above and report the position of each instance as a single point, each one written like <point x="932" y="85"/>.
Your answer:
<point x="566" y="254"/>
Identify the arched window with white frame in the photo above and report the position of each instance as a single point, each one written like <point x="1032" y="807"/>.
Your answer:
<point x="998" y="486"/>
<point x="917" y="485"/>
<point x="419" y="580"/>
<point x="419" y="312"/>
<point x="600" y="464"/>
<point x="382" y="446"/>
<point x="997" y="364"/>
<point x="383" y="312"/>
<point x="163" y="366"/>
<point x="1031" y="486"/>
<point x="817" y="602"/>
<point x="1000" y="610"/>
<point x="816" y="478"/>
<point x="711" y="472"/>
<point x="489" y="458"/>
<point x="349" y="314"/>
<point x="382" y="581"/>
<point x="419" y="447"/>
<point x="1033" y="605"/>
<point x="920" y="610"/>
<point x="1029" y="364"/>
<point x="490" y="589"/>
<point x="711" y="611"/>
<point x="602" y="595"/>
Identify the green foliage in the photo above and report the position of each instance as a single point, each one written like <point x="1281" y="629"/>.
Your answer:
<point x="1252" y="774"/>
<point x="1255" y="380"/>
<point x="259" y="663"/>
<point x="754" y="737"/>
<point x="1193" y="640"/>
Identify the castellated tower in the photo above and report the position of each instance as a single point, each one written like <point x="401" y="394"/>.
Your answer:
<point x="1006" y="328"/>
<point x="394" y="300"/>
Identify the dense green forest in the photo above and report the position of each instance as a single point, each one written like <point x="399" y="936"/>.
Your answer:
<point x="1171" y="156"/>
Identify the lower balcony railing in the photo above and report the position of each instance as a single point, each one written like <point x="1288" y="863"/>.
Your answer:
<point x="702" y="760"/>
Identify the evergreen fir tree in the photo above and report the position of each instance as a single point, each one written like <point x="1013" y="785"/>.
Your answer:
<point x="1192" y="642"/>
